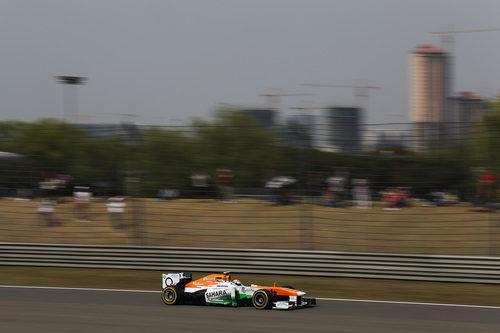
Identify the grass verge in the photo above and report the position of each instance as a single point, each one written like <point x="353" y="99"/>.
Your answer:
<point x="391" y="290"/>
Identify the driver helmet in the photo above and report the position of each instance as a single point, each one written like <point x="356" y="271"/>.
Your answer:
<point x="237" y="282"/>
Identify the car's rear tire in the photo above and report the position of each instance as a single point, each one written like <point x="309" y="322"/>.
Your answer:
<point x="172" y="295"/>
<point x="262" y="299"/>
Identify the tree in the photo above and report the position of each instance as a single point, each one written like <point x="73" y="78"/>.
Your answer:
<point x="483" y="146"/>
<point x="166" y="156"/>
<point x="235" y="141"/>
<point x="60" y="148"/>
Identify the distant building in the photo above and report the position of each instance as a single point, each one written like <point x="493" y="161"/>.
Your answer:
<point x="429" y="90"/>
<point x="465" y="110"/>
<point x="308" y="123"/>
<point x="343" y="127"/>
<point x="264" y="117"/>
<point x="385" y="138"/>
<point x="300" y="131"/>
<point x="130" y="132"/>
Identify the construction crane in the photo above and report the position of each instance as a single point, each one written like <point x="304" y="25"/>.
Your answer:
<point x="305" y="111"/>
<point x="360" y="92"/>
<point x="125" y="117"/>
<point x="447" y="40"/>
<point x="274" y="98"/>
<point x="463" y="31"/>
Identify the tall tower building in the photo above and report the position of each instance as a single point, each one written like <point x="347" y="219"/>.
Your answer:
<point x="429" y="89"/>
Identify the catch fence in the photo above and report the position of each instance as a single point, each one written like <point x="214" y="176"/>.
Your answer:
<point x="246" y="185"/>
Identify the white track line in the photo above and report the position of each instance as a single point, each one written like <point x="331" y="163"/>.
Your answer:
<point x="83" y="289"/>
<point x="408" y="303"/>
<point x="318" y="298"/>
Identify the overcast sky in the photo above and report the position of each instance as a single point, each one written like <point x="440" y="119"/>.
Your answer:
<point x="167" y="61"/>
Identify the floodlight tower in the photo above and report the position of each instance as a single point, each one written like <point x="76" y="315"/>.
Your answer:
<point x="70" y="96"/>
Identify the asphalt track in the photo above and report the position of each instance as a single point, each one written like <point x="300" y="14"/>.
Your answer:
<point x="66" y="310"/>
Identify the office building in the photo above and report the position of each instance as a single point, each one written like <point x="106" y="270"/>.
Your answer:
<point x="429" y="90"/>
<point x="465" y="112"/>
<point x="385" y="138"/>
<point x="343" y="127"/>
<point x="264" y="117"/>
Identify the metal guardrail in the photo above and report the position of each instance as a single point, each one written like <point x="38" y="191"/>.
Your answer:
<point x="286" y="262"/>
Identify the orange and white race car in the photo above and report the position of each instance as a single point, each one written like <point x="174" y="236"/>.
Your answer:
<point x="178" y="288"/>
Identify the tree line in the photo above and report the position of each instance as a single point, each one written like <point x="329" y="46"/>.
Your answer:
<point x="164" y="157"/>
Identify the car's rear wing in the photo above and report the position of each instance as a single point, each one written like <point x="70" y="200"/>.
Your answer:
<point x="173" y="279"/>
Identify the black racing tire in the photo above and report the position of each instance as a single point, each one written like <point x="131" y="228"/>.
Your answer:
<point x="172" y="295"/>
<point x="262" y="299"/>
<point x="289" y="287"/>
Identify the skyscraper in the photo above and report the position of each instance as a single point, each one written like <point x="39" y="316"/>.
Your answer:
<point x="429" y="73"/>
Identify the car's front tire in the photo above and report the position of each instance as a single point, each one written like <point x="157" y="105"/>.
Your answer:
<point x="262" y="299"/>
<point x="172" y="295"/>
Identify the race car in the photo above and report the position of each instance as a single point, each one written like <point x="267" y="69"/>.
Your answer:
<point x="178" y="288"/>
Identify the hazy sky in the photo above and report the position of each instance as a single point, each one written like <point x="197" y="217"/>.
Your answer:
<point x="170" y="60"/>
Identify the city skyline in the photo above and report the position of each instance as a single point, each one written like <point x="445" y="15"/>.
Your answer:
<point x="166" y="62"/>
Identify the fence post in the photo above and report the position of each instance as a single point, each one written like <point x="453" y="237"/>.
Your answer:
<point x="493" y="228"/>
<point x="133" y="184"/>
<point x="306" y="215"/>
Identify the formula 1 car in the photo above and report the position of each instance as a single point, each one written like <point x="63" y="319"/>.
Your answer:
<point x="178" y="288"/>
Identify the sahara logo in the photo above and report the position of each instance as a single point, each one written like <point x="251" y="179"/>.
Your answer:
<point x="217" y="294"/>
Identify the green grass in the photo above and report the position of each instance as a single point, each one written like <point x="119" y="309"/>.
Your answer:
<point x="393" y="290"/>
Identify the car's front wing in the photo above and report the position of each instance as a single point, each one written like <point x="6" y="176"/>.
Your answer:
<point x="294" y="302"/>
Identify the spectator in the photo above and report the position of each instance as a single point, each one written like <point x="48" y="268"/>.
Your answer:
<point x="46" y="211"/>
<point x="315" y="184"/>
<point x="172" y="193"/>
<point x="199" y="184"/>
<point x="167" y="194"/>
<point x="225" y="181"/>
<point x="450" y="199"/>
<point x="396" y="198"/>
<point x="116" y="210"/>
<point x="361" y="193"/>
<point x="436" y="198"/>
<point x="269" y="188"/>
<point x="281" y="189"/>
<point x="82" y="197"/>
<point x="334" y="189"/>
<point x="486" y="189"/>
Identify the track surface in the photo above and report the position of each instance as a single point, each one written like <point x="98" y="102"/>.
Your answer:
<point x="53" y="310"/>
